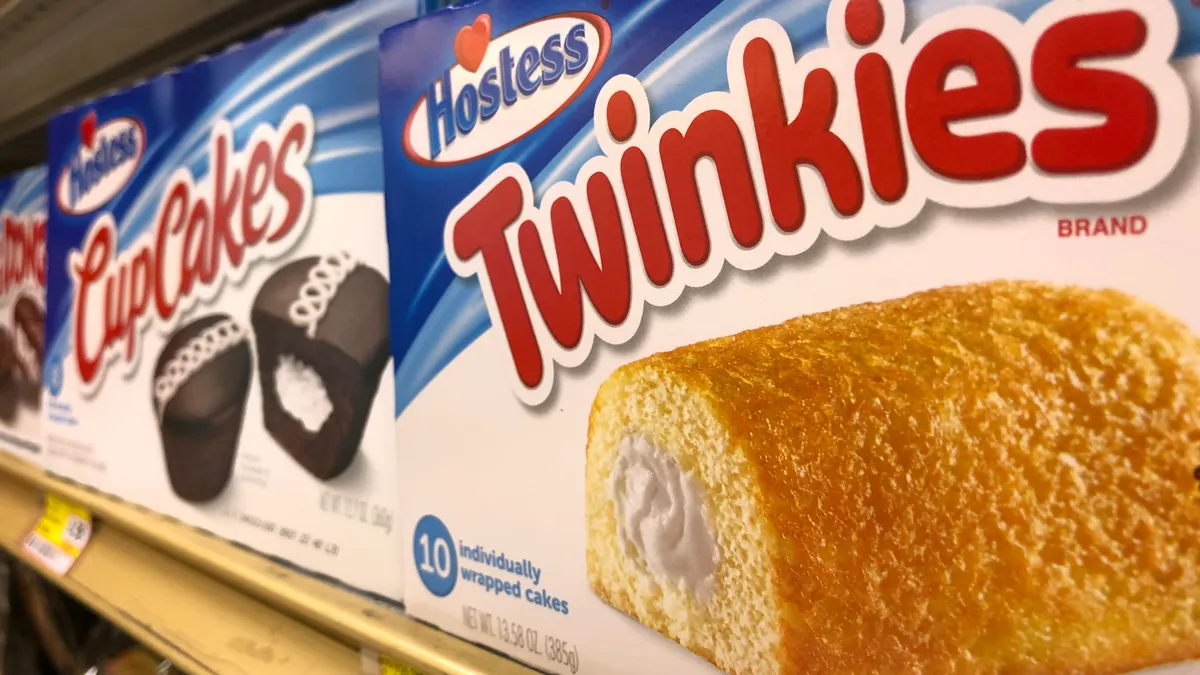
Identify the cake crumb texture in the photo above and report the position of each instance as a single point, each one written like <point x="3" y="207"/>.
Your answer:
<point x="991" y="478"/>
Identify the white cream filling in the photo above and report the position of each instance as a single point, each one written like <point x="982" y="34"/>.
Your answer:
<point x="302" y="393"/>
<point x="661" y="518"/>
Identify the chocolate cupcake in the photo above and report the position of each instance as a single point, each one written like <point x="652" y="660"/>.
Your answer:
<point x="201" y="383"/>
<point x="9" y="382"/>
<point x="29" y="328"/>
<point x="321" y="327"/>
<point x="8" y="354"/>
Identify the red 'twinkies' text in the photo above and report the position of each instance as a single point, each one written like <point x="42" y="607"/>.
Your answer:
<point x="24" y="253"/>
<point x="974" y="110"/>
<point x="252" y="206"/>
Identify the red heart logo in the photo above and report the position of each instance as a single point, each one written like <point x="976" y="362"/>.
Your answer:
<point x="87" y="129"/>
<point x="471" y="43"/>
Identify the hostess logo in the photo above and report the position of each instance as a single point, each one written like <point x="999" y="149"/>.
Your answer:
<point x="503" y="88"/>
<point x="107" y="157"/>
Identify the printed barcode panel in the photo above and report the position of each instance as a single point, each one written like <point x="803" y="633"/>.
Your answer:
<point x="54" y="558"/>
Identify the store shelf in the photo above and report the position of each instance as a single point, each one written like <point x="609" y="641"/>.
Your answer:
<point x="201" y="625"/>
<point x="212" y="607"/>
<point x="57" y="52"/>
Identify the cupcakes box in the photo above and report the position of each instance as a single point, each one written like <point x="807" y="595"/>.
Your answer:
<point x="218" y="298"/>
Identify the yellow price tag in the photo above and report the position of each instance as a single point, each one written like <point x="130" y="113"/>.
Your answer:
<point x="374" y="664"/>
<point x="389" y="667"/>
<point x="60" y="535"/>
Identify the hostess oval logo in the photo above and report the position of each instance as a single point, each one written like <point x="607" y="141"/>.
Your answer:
<point x="106" y="159"/>
<point x="502" y="88"/>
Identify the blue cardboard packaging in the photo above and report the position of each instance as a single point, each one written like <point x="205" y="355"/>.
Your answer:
<point x="799" y="337"/>
<point x="217" y="334"/>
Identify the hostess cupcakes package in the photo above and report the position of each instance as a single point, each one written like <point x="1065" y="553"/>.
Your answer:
<point x="22" y="311"/>
<point x="217" y="345"/>
<point x="785" y="337"/>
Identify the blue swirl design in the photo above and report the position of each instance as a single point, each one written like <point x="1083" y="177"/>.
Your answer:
<point x="329" y="63"/>
<point x="678" y="50"/>
<point x="24" y="192"/>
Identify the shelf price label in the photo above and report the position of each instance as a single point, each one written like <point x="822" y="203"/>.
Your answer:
<point x="60" y="536"/>
<point x="374" y="664"/>
<point x="388" y="667"/>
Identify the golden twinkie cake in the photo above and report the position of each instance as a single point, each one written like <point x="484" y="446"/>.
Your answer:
<point x="970" y="479"/>
<point x="851" y="337"/>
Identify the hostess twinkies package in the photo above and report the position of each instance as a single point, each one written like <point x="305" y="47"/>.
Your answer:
<point x="218" y="298"/>
<point x="800" y="337"/>
<point x="22" y="311"/>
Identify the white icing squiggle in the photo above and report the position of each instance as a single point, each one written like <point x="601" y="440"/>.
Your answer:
<point x="661" y="517"/>
<point x="319" y="289"/>
<point x="208" y="345"/>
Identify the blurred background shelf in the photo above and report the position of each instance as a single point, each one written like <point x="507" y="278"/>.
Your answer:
<point x="212" y="607"/>
<point x="57" y="52"/>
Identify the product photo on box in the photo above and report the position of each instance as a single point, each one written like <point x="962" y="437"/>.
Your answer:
<point x="799" y="337"/>
<point x="22" y="311"/>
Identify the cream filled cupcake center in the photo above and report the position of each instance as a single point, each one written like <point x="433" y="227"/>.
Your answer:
<point x="302" y="393"/>
<point x="661" y="517"/>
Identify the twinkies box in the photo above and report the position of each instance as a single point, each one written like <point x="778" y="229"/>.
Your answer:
<point x="800" y="337"/>
<point x="218" y="298"/>
<point x="22" y="311"/>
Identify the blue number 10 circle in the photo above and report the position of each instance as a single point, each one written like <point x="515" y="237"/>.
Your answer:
<point x="435" y="557"/>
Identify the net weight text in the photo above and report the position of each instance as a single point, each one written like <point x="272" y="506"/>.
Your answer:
<point x="522" y="637"/>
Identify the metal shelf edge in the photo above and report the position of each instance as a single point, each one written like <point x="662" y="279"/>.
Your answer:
<point x="339" y="613"/>
<point x="198" y="623"/>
